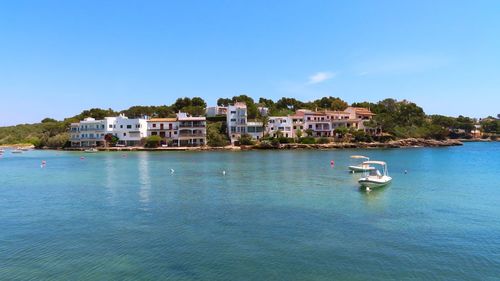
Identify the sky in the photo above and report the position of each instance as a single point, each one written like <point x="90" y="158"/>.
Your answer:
<point x="58" y="58"/>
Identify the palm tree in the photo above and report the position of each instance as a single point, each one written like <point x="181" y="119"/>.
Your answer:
<point x="265" y="122"/>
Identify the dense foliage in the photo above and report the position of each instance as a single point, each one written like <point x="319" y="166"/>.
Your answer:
<point x="216" y="134"/>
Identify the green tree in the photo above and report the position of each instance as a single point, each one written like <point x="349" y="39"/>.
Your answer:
<point x="110" y="140"/>
<point x="341" y="132"/>
<point x="330" y="103"/>
<point x="216" y="136"/>
<point x="48" y="120"/>
<point x="224" y="102"/>
<point x="197" y="101"/>
<point x="298" y="133"/>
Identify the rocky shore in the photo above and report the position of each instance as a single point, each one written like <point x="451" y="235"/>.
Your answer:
<point x="411" y="142"/>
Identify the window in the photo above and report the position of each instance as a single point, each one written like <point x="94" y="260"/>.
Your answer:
<point x="154" y="125"/>
<point x="124" y="134"/>
<point x="310" y="126"/>
<point x="110" y="126"/>
<point x="121" y="126"/>
<point x="233" y="112"/>
<point x="129" y="126"/>
<point x="233" y="120"/>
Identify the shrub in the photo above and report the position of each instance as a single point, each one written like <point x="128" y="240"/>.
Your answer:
<point x="308" y="140"/>
<point x="275" y="142"/>
<point x="285" y="140"/>
<point x="152" y="141"/>
<point x="361" y="136"/>
<point x="323" y="140"/>
<point x="246" y="139"/>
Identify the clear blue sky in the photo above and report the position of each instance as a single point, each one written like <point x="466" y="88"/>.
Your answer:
<point x="60" y="57"/>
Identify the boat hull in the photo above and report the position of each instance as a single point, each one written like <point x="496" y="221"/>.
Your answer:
<point x="359" y="169"/>
<point x="374" y="182"/>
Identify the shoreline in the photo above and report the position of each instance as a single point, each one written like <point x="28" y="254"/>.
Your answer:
<point x="404" y="143"/>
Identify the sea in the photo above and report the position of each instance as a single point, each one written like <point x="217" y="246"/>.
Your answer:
<point x="250" y="215"/>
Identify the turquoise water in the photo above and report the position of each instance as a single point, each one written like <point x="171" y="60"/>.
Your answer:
<point x="275" y="215"/>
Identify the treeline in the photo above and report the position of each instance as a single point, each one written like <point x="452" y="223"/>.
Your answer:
<point x="397" y="119"/>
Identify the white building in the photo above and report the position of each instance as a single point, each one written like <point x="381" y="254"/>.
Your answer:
<point x="213" y="111"/>
<point x="192" y="130"/>
<point x="184" y="130"/>
<point x="280" y="126"/>
<point x="167" y="128"/>
<point x="236" y="119"/>
<point x="129" y="131"/>
<point x="88" y="132"/>
<point x="255" y="130"/>
<point x="91" y="132"/>
<point x="263" y="111"/>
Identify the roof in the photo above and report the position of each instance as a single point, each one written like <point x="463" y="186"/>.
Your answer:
<point x="376" y="163"/>
<point x="359" y="157"/>
<point x="363" y="110"/>
<point x="162" y="120"/>
<point x="191" y="118"/>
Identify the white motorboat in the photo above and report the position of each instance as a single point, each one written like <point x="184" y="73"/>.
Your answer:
<point x="91" y="150"/>
<point x="16" y="151"/>
<point x="375" y="178"/>
<point x="361" y="167"/>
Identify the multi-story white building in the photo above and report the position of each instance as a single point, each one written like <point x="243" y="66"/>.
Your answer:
<point x="280" y="126"/>
<point x="88" y="132"/>
<point x="192" y="130"/>
<point x="184" y="130"/>
<point x="236" y="119"/>
<point x="164" y="127"/>
<point x="91" y="132"/>
<point x="238" y="124"/>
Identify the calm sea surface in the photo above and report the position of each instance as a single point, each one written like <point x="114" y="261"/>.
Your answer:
<point x="275" y="215"/>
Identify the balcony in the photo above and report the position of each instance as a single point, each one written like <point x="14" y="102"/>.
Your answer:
<point x="192" y="125"/>
<point x="91" y="129"/>
<point x="162" y="129"/>
<point x="191" y="135"/>
<point x="90" y="138"/>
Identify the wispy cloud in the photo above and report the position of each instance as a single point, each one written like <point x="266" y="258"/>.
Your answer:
<point x="320" y="77"/>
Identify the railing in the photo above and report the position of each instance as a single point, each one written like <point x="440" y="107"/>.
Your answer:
<point x="88" y="138"/>
<point x="92" y="129"/>
<point x="163" y="129"/>
<point x="196" y="125"/>
<point x="192" y="135"/>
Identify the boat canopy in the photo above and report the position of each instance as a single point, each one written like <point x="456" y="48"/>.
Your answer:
<point x="375" y="163"/>
<point x="359" y="157"/>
